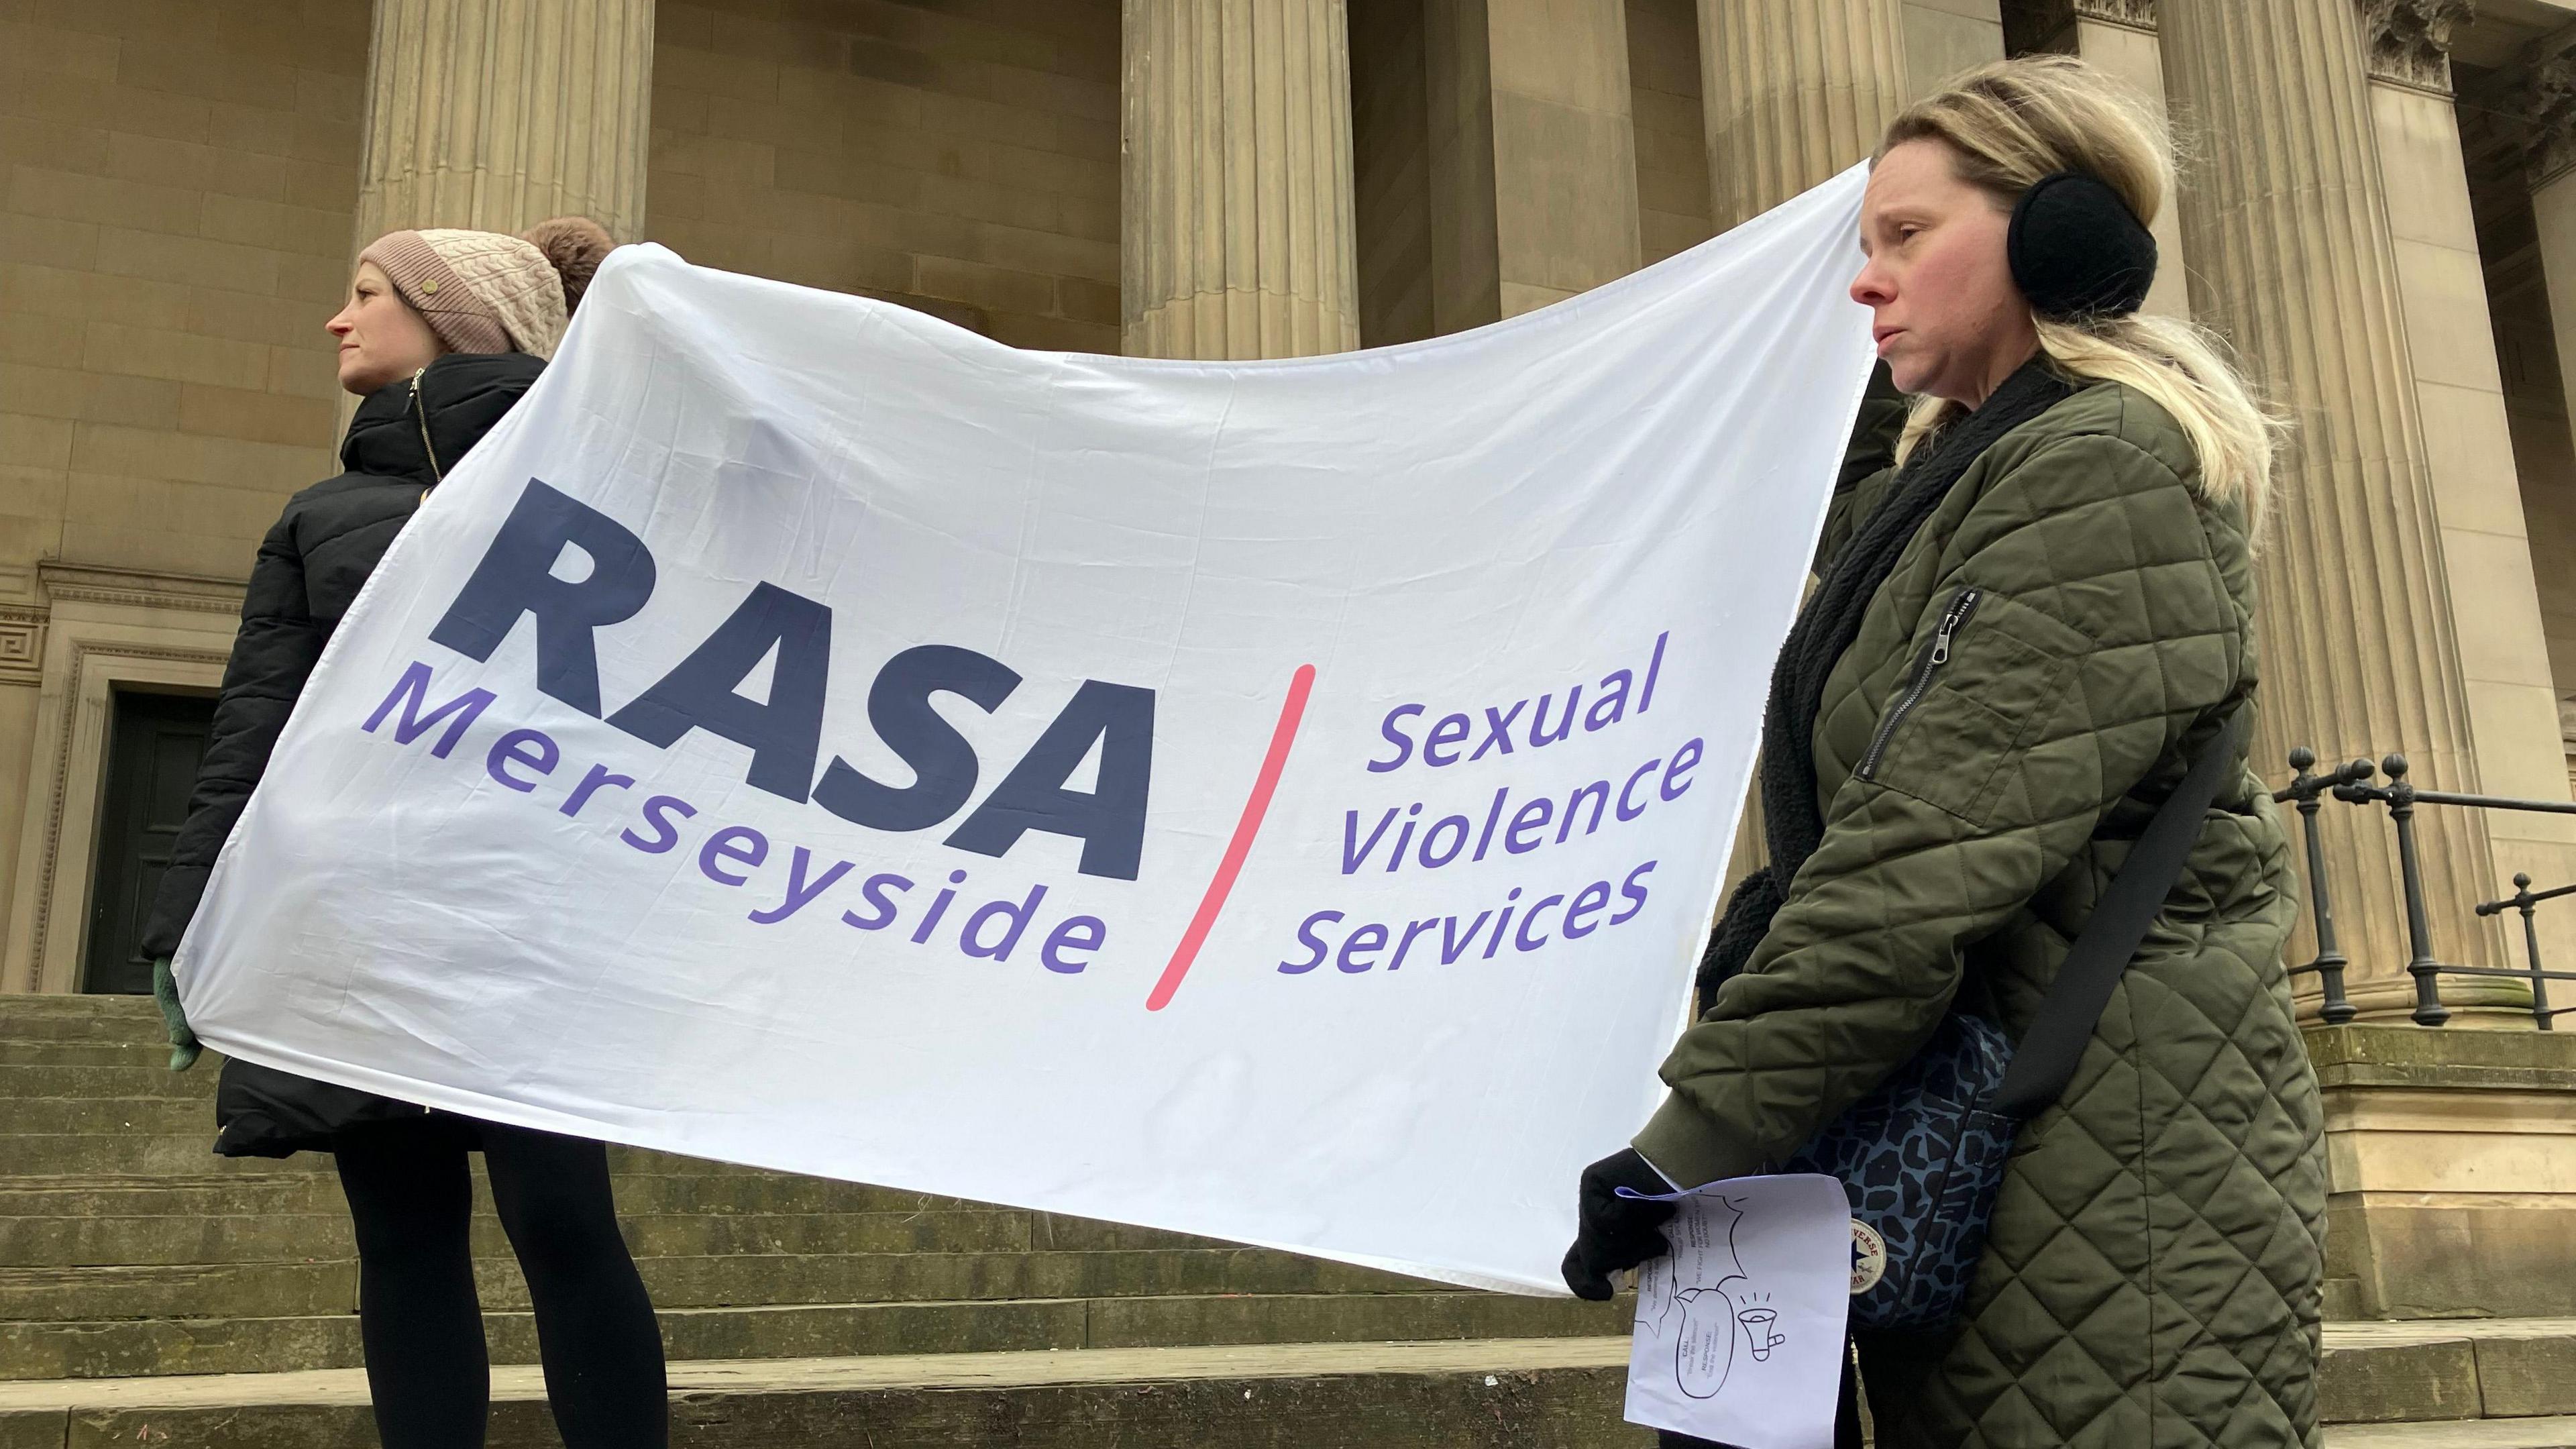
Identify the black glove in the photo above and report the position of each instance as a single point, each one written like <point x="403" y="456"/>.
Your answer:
<point x="1614" y="1233"/>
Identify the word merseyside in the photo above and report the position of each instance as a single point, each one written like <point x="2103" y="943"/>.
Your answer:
<point x="516" y="579"/>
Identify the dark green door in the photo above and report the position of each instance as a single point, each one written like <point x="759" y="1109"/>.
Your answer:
<point x="154" y="742"/>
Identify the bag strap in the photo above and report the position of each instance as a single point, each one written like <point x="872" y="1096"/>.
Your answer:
<point x="2054" y="1044"/>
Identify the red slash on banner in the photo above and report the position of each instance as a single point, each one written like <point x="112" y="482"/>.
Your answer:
<point x="1291" y="711"/>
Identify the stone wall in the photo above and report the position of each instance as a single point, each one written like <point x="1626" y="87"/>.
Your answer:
<point x="961" y="159"/>
<point x="1672" y="147"/>
<point x="176" y="184"/>
<point x="1391" y="172"/>
<point x="180" y="180"/>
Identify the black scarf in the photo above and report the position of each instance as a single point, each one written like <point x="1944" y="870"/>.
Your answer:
<point x="1792" y="824"/>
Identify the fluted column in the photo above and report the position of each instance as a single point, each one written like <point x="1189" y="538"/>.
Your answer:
<point x="1236" y="195"/>
<point x="2288" y="230"/>
<point x="497" y="114"/>
<point x="2546" y="99"/>
<point x="1796" y="90"/>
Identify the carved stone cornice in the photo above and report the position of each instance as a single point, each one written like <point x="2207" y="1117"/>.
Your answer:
<point x="2044" y="21"/>
<point x="136" y="588"/>
<point x="2135" y="14"/>
<point x="2408" y="42"/>
<point x="22" y="644"/>
<point x="2544" y="98"/>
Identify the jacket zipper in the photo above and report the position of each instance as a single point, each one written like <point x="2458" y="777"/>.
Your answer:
<point x="420" y="410"/>
<point x="1953" y="620"/>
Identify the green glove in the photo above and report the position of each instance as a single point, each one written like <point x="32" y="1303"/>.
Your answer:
<point x="183" y="1042"/>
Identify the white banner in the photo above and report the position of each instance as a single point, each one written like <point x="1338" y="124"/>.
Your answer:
<point x="1281" y="801"/>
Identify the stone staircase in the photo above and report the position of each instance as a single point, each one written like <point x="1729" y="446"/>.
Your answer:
<point x="151" y="1293"/>
<point x="151" y="1289"/>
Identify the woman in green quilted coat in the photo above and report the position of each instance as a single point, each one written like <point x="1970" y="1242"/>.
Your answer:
<point x="2027" y="627"/>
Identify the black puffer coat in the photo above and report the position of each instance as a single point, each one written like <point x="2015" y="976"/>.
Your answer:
<point x="309" y="570"/>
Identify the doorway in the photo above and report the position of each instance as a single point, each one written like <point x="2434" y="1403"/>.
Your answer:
<point x="154" y="744"/>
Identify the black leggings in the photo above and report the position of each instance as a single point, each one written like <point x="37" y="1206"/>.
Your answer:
<point x="413" y="1200"/>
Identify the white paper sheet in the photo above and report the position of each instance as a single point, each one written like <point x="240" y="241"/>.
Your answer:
<point x="1740" y="1328"/>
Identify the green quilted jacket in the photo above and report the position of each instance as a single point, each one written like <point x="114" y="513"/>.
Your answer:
<point x="2152" y="1275"/>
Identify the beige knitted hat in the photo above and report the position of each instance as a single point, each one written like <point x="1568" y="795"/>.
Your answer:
<point x="483" y="291"/>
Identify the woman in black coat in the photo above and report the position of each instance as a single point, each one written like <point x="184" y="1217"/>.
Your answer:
<point x="442" y="334"/>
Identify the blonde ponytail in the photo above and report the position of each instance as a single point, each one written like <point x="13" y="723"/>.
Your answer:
<point x="2011" y="123"/>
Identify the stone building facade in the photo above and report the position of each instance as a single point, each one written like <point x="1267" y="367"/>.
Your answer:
<point x="2381" y="215"/>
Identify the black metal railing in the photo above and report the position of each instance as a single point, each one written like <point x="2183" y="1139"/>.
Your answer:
<point x="2353" y="785"/>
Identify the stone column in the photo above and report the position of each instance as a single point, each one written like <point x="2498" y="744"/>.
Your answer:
<point x="2469" y="452"/>
<point x="2288" y="229"/>
<point x="497" y="114"/>
<point x="1532" y="151"/>
<point x="2117" y="37"/>
<point x="1796" y="90"/>
<point x="2548" y="102"/>
<point x="1237" y="185"/>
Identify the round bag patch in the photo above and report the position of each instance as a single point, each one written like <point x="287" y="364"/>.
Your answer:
<point x="1869" y="1257"/>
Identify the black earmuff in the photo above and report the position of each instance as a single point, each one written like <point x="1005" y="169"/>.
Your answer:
<point x="2078" y="251"/>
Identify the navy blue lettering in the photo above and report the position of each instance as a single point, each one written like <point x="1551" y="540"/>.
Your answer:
<point x="942" y="761"/>
<point x="1110" y="821"/>
<point x="516" y="577"/>
<point x="701" y="691"/>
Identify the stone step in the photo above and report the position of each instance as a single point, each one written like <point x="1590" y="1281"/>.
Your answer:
<point x="78" y="1018"/>
<point x="287" y="1287"/>
<point x="188" y="1195"/>
<point x="1554" y="1393"/>
<point x="32" y="1081"/>
<point x="2557" y="1432"/>
<point x="150" y="1052"/>
<point x="145" y="1116"/>
<point x="121" y="1348"/>
<point x="253" y="1237"/>
<point x="2419" y="1370"/>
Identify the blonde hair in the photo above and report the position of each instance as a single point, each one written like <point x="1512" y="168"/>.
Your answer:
<point x="2009" y="124"/>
